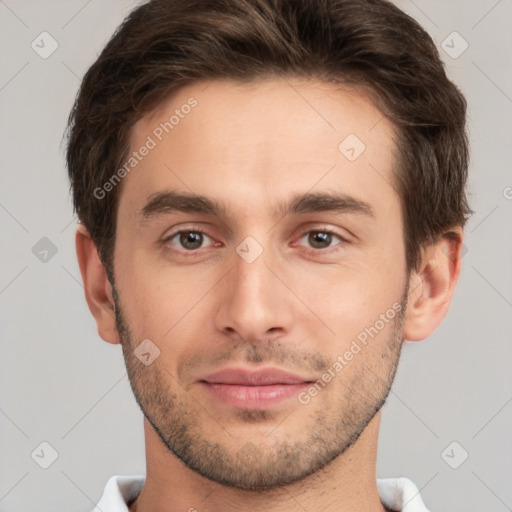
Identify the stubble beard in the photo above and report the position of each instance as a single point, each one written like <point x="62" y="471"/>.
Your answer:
<point x="250" y="465"/>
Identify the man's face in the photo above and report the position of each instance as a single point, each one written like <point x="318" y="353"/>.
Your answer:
<point x="292" y="261"/>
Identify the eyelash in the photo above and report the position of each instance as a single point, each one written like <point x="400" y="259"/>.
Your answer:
<point x="193" y="252"/>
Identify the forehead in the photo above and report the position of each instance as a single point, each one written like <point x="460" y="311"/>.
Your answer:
<point x="250" y="144"/>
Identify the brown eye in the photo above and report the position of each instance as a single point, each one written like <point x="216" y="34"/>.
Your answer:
<point x="319" y="239"/>
<point x="189" y="240"/>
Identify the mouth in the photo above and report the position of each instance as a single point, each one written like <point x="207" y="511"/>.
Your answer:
<point x="261" y="389"/>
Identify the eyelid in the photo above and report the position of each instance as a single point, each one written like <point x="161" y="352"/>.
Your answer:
<point x="331" y="247"/>
<point x="184" y="227"/>
<point x="342" y="235"/>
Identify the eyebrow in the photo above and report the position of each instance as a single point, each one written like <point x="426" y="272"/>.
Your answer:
<point x="167" y="202"/>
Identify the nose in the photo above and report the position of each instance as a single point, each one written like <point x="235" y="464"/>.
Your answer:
<point x="255" y="305"/>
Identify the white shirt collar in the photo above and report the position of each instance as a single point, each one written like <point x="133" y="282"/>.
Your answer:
<point x="398" y="494"/>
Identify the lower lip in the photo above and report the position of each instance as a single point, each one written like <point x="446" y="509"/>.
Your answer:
<point x="253" y="397"/>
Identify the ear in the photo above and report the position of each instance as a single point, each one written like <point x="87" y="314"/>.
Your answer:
<point x="432" y="286"/>
<point x="98" y="290"/>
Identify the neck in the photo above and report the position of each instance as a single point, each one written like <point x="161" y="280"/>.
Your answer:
<point x="347" y="483"/>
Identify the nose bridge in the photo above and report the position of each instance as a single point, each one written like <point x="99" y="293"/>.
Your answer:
<point x="252" y="279"/>
<point x="255" y="307"/>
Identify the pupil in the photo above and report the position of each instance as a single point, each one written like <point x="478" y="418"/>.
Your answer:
<point x="319" y="239"/>
<point x="191" y="240"/>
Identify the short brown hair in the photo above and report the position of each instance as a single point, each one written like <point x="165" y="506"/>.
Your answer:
<point x="166" y="44"/>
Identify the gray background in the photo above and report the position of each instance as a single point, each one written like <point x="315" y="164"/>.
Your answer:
<point x="61" y="384"/>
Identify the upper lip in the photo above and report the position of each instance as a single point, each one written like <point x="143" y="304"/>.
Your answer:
<point x="262" y="377"/>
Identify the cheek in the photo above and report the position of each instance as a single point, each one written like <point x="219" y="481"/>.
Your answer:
<point x="166" y="305"/>
<point x="350" y="297"/>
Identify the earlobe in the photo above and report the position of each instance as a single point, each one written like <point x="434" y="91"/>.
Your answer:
<point x="432" y="286"/>
<point x="98" y="290"/>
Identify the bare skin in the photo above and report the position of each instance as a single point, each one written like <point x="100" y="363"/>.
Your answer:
<point x="324" y="276"/>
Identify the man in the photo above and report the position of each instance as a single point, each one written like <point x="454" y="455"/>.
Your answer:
<point x="271" y="196"/>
